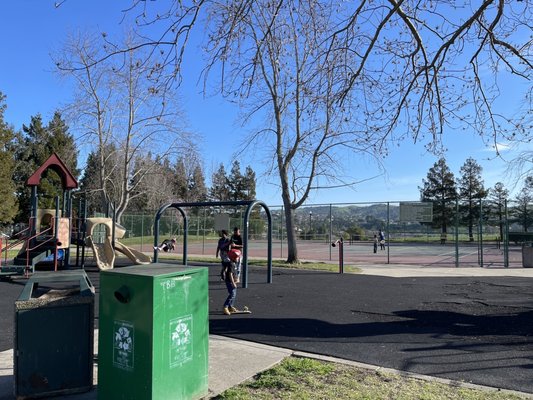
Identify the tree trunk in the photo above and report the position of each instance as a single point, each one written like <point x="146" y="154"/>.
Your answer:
<point x="292" y="249"/>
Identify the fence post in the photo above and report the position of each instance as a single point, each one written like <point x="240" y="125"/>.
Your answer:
<point x="142" y="230"/>
<point x="340" y="243"/>
<point x="388" y="233"/>
<point x="481" y="232"/>
<point x="281" y="239"/>
<point x="330" y="228"/>
<point x="506" y="238"/>
<point x="456" y="233"/>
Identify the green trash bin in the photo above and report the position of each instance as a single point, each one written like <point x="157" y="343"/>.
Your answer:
<point x="153" y="333"/>
<point x="54" y="335"/>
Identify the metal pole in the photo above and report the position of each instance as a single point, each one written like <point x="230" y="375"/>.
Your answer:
<point x="456" y="233"/>
<point x="78" y="233"/>
<point x="506" y="237"/>
<point x="84" y="231"/>
<point x="56" y="226"/>
<point x="281" y="240"/>
<point x="388" y="233"/>
<point x="114" y="226"/>
<point x="341" y="255"/>
<point x="142" y="231"/>
<point x="56" y="222"/>
<point x="330" y="228"/>
<point x="310" y="216"/>
<point x="481" y="232"/>
<point x="66" y="251"/>
<point x="203" y="234"/>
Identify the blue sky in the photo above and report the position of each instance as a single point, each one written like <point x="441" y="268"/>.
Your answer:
<point x="32" y="29"/>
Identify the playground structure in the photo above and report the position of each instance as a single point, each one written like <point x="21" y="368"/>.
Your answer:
<point x="103" y="250"/>
<point x="49" y="234"/>
<point x="48" y="231"/>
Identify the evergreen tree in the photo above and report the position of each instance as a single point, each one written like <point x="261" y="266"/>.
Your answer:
<point x="498" y="197"/>
<point x="233" y="187"/>
<point x="61" y="142"/>
<point x="440" y="189"/>
<point x="89" y="183"/>
<point x="523" y="211"/>
<point x="471" y="192"/>
<point x="94" y="179"/>
<point x="236" y="182"/>
<point x="219" y="190"/>
<point x="197" y="188"/>
<point x="27" y="153"/>
<point x="189" y="180"/>
<point x="181" y="181"/>
<point x="249" y="183"/>
<point x="8" y="206"/>
<point x="36" y="145"/>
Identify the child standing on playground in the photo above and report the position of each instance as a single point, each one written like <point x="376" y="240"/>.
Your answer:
<point x="230" y="278"/>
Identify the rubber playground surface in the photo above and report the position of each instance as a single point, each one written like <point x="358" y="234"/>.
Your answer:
<point x="473" y="329"/>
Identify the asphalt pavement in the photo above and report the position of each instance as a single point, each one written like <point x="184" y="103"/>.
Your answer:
<point x="471" y="326"/>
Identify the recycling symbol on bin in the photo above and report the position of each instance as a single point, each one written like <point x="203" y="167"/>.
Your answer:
<point x="181" y="334"/>
<point x="123" y="339"/>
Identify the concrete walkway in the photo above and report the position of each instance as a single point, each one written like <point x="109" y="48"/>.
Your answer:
<point x="408" y="271"/>
<point x="231" y="361"/>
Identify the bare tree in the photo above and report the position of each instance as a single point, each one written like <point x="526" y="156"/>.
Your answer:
<point x="122" y="116"/>
<point x="331" y="79"/>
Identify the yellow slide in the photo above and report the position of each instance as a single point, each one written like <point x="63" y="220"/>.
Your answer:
<point x="103" y="253"/>
<point x="134" y="255"/>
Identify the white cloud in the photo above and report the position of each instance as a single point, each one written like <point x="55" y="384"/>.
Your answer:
<point x="499" y="147"/>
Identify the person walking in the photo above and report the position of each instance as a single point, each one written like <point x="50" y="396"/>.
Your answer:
<point x="230" y="278"/>
<point x="382" y="239"/>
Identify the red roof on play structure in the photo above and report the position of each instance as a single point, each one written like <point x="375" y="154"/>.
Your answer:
<point x="55" y="163"/>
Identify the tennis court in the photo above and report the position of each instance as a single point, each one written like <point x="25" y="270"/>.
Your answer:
<point x="489" y="255"/>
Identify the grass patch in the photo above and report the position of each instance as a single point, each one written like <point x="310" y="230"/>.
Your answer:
<point x="307" y="379"/>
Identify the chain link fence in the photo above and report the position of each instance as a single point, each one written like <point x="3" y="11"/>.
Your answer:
<point x="482" y="234"/>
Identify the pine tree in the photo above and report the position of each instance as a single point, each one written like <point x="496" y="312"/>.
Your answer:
<point x="197" y="188"/>
<point x="498" y="197"/>
<point x="94" y="179"/>
<point x="440" y="189"/>
<point x="36" y="145"/>
<point x="471" y="192"/>
<point x="61" y="142"/>
<point x="181" y="181"/>
<point x="8" y="206"/>
<point x="523" y="211"/>
<point x="249" y="183"/>
<point x="89" y="183"/>
<point x="219" y="190"/>
<point x="235" y="182"/>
